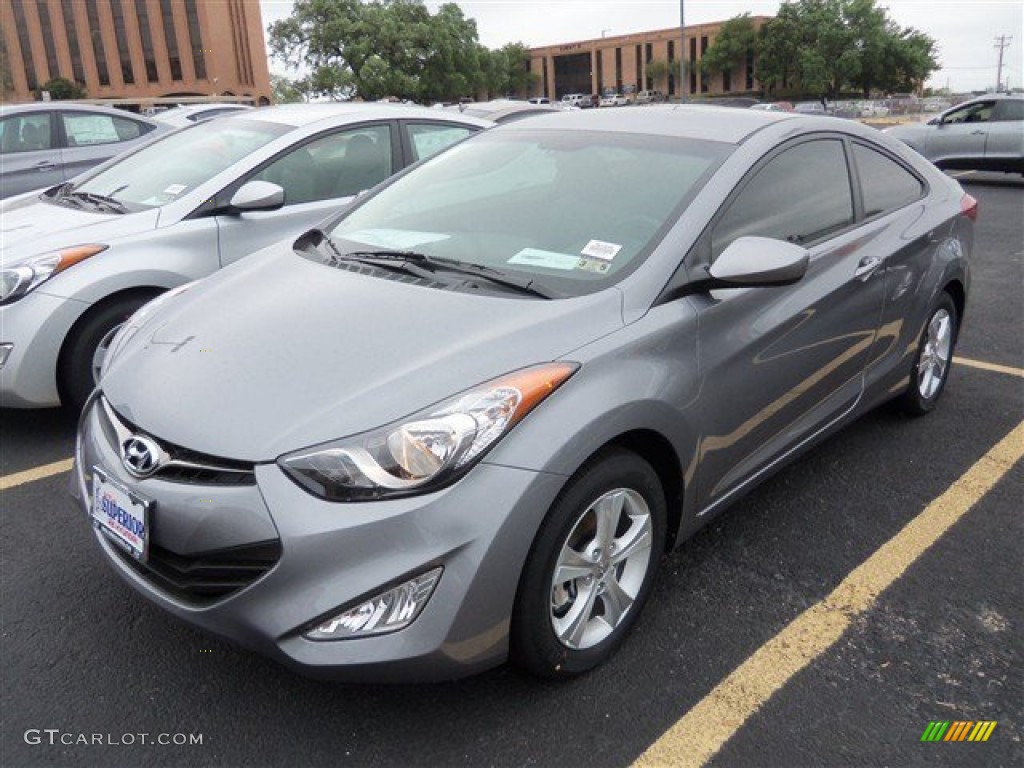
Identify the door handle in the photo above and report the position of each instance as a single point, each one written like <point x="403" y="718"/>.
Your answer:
<point x="44" y="165"/>
<point x="978" y="132"/>
<point x="867" y="267"/>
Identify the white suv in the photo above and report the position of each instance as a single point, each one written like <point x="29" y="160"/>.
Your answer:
<point x="580" y="100"/>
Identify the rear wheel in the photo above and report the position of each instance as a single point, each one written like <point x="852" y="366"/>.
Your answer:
<point x="591" y="567"/>
<point x="934" y="358"/>
<point x="86" y="347"/>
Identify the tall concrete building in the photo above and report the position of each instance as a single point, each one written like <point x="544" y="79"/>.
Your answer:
<point x="137" y="49"/>
<point x="620" y="63"/>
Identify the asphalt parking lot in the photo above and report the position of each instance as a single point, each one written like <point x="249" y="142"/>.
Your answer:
<point x="83" y="655"/>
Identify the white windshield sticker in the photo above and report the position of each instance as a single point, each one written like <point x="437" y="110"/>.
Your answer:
<point x="394" y="238"/>
<point x="599" y="249"/>
<point x="535" y="257"/>
<point x="175" y="189"/>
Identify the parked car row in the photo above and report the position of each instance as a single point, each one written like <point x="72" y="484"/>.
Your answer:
<point x="82" y="256"/>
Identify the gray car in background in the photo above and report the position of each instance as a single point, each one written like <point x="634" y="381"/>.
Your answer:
<point x="462" y="420"/>
<point x="985" y="134"/>
<point x="79" y="258"/>
<point x="47" y="143"/>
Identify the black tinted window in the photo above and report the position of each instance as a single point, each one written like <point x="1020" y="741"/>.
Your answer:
<point x="885" y="184"/>
<point x="1010" y="109"/>
<point x="801" y="196"/>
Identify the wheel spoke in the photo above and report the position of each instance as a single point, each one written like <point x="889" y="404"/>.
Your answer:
<point x="634" y="540"/>
<point x="608" y="511"/>
<point x="575" y="623"/>
<point x="571" y="566"/>
<point x="616" y="601"/>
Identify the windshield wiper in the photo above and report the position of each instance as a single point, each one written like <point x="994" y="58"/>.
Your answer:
<point x="97" y="200"/>
<point x="496" y="276"/>
<point x="424" y="266"/>
<point x="413" y="263"/>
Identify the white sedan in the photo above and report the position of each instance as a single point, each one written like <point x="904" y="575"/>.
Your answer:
<point x="77" y="259"/>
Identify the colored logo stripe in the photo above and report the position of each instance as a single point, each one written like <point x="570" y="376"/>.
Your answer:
<point x="958" y="730"/>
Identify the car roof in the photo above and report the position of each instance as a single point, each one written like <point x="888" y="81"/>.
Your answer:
<point x="301" y="115"/>
<point x="499" y="108"/>
<point x="70" y="106"/>
<point x="191" y="109"/>
<point x="725" y="124"/>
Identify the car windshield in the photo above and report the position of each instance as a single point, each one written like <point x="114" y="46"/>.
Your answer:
<point x="574" y="211"/>
<point x="163" y="171"/>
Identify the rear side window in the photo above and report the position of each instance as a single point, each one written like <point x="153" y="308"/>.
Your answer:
<point x="885" y="184"/>
<point x="801" y="195"/>
<point x="25" y="133"/>
<point x="428" y="139"/>
<point x="85" y="129"/>
<point x="1010" y="109"/>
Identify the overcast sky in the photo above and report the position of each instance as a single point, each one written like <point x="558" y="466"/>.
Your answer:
<point x="965" y="30"/>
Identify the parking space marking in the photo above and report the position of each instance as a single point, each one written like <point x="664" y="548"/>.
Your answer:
<point x="699" y="735"/>
<point x="989" y="366"/>
<point x="961" y="174"/>
<point x="36" y="473"/>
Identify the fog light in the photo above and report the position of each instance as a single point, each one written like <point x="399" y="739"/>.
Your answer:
<point x="389" y="611"/>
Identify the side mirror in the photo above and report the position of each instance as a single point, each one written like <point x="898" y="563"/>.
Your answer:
<point x="935" y="121"/>
<point x="757" y="261"/>
<point x="257" y="196"/>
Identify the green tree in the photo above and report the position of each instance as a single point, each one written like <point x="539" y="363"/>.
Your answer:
<point x="657" y="71"/>
<point x="388" y="48"/>
<point x="61" y="89"/>
<point x="285" y="91"/>
<point x="824" y="47"/>
<point x="734" y="42"/>
<point x="508" y="71"/>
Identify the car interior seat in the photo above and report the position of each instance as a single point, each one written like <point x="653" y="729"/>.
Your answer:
<point x="366" y="164"/>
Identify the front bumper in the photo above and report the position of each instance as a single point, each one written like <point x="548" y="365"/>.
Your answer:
<point x="35" y="326"/>
<point x="332" y="555"/>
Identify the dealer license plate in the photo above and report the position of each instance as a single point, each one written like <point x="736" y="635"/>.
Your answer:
<point x="122" y="515"/>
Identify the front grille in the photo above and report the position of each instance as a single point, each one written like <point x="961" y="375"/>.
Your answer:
<point x="208" y="576"/>
<point x="179" y="465"/>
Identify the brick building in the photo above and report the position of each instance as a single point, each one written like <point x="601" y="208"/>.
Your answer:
<point x="137" y="49"/>
<point x="620" y="63"/>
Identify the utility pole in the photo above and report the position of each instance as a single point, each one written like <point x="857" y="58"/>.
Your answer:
<point x="682" y="51"/>
<point x="1002" y="43"/>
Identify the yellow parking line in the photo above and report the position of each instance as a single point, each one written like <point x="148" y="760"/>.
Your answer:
<point x="700" y="733"/>
<point x="962" y="173"/>
<point x="36" y="473"/>
<point x="989" y="366"/>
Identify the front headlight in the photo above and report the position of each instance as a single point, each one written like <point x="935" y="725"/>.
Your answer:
<point x="427" y="450"/>
<point x="18" y="279"/>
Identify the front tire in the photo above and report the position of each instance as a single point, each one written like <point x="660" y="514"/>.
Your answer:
<point x="934" y="359"/>
<point x="86" y="345"/>
<point x="591" y="567"/>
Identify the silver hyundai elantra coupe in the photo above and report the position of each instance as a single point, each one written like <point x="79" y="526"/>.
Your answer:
<point x="462" y="420"/>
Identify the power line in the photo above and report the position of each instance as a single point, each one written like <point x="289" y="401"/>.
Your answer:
<point x="1002" y="43"/>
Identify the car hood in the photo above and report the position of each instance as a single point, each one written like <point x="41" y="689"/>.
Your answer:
<point x="278" y="353"/>
<point x="29" y="226"/>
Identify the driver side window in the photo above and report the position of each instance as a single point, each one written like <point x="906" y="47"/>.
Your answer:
<point x="974" y="113"/>
<point x="338" y="165"/>
<point x="801" y="196"/>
